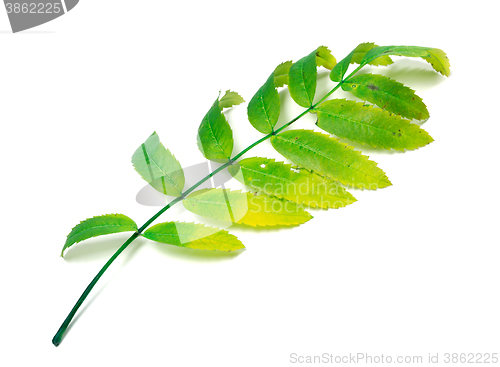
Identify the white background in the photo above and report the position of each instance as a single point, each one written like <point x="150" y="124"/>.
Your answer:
<point x="411" y="269"/>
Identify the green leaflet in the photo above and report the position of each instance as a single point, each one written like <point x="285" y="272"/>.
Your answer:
<point x="264" y="107"/>
<point x="193" y="235"/>
<point x="388" y="94"/>
<point x="302" y="80"/>
<point x="281" y="74"/>
<point x="361" y="50"/>
<point x="158" y="167"/>
<point x="325" y="58"/>
<point x="294" y="184"/>
<point x="340" y="69"/>
<point x="245" y="208"/>
<point x="230" y="99"/>
<point x="368" y="125"/>
<point x="356" y="55"/>
<point x="328" y="157"/>
<point x="215" y="137"/>
<point x="436" y="57"/>
<point x="98" y="226"/>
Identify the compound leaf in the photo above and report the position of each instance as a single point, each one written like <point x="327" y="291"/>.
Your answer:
<point x="388" y="94"/>
<point x="98" y="226"/>
<point x="281" y="74"/>
<point x="159" y="167"/>
<point x="215" y="137"/>
<point x="325" y="58"/>
<point x="436" y="57"/>
<point x="230" y="99"/>
<point x="245" y="208"/>
<point x="328" y="157"/>
<point x="368" y="125"/>
<point x="193" y="235"/>
<point x="290" y="183"/>
<point x="264" y="107"/>
<point x="302" y="80"/>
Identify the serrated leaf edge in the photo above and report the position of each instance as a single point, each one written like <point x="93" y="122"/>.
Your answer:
<point x="218" y="230"/>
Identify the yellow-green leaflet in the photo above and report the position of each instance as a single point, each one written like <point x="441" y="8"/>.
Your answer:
<point x="436" y="57"/>
<point x="264" y="107"/>
<point x="361" y="50"/>
<point x="329" y="157"/>
<point x="159" y="167"/>
<point x="281" y="74"/>
<point x="302" y="80"/>
<point x="215" y="137"/>
<point x="368" y="125"/>
<point x="98" y="226"/>
<point x="230" y="99"/>
<point x="439" y="61"/>
<point x="388" y="94"/>
<point x="245" y="208"/>
<point x="290" y="183"/>
<point x="325" y="58"/>
<point x="356" y="55"/>
<point x="193" y="235"/>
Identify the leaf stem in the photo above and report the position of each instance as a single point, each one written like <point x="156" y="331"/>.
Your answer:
<point x="60" y="333"/>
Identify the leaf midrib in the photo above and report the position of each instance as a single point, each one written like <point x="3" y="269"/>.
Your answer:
<point x="132" y="228"/>
<point x="396" y="97"/>
<point x="214" y="138"/>
<point x="267" y="174"/>
<point x="260" y="97"/>
<point x="319" y="153"/>
<point x="354" y="121"/>
<point x="165" y="174"/>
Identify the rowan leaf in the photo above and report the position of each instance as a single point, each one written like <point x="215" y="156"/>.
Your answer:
<point x="281" y="74"/>
<point x="328" y="157"/>
<point x="355" y="56"/>
<point x="290" y="183"/>
<point x="361" y="50"/>
<point x="193" y="235"/>
<point x="159" y="167"/>
<point x="325" y="58"/>
<point x="264" y="107"/>
<point x="98" y="226"/>
<point x="215" y="137"/>
<point x="230" y="99"/>
<point x="368" y="125"/>
<point x="245" y="208"/>
<point x="302" y="80"/>
<point x="388" y="94"/>
<point x="436" y="57"/>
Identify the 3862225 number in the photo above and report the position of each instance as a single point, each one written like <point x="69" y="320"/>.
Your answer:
<point x="471" y="358"/>
<point x="33" y="8"/>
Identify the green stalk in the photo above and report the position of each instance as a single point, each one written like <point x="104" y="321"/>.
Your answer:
<point x="58" y="337"/>
<point x="60" y="333"/>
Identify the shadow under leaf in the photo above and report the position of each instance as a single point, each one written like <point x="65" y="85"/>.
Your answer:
<point x="194" y="255"/>
<point x="99" y="248"/>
